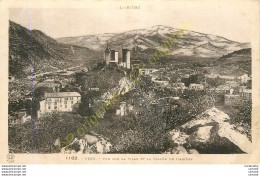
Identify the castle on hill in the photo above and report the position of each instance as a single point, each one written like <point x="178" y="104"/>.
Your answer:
<point x="111" y="56"/>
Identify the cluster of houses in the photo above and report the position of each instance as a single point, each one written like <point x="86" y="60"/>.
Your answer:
<point x="237" y="99"/>
<point x="234" y="92"/>
<point x="17" y="97"/>
<point x="181" y="86"/>
<point x="244" y="78"/>
<point x="52" y="102"/>
<point x="56" y="82"/>
<point x="233" y="88"/>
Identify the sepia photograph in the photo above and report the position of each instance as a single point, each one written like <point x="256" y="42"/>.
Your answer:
<point x="135" y="78"/>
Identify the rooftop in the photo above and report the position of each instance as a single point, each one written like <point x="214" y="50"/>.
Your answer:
<point x="246" y="91"/>
<point x="230" y="96"/>
<point x="193" y="84"/>
<point x="61" y="94"/>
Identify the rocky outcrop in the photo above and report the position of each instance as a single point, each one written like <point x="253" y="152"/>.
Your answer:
<point x="209" y="132"/>
<point x="124" y="86"/>
<point x="88" y="144"/>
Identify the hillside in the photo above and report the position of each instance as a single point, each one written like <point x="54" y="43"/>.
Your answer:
<point x="47" y="53"/>
<point x="235" y="63"/>
<point x="191" y="44"/>
<point x="236" y="56"/>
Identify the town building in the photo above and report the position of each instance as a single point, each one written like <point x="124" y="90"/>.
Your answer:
<point x="60" y="102"/>
<point x="160" y="81"/>
<point x="232" y="84"/>
<point x="243" y="79"/>
<point x="148" y="71"/>
<point x="227" y="78"/>
<point x="20" y="118"/>
<point x="212" y="76"/>
<point x="232" y="100"/>
<point x="224" y="89"/>
<point x="124" y="109"/>
<point x="13" y="120"/>
<point x="246" y="94"/>
<point x="51" y="83"/>
<point x="196" y="87"/>
<point x="178" y="86"/>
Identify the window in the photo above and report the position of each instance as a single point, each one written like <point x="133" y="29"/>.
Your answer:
<point x="65" y="102"/>
<point x="66" y="106"/>
<point x="72" y="102"/>
<point x="49" y="107"/>
<point x="55" y="103"/>
<point x="55" y="107"/>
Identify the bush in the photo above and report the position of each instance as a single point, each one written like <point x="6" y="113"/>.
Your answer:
<point x="145" y="133"/>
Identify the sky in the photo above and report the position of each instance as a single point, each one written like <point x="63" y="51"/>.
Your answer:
<point x="231" y="22"/>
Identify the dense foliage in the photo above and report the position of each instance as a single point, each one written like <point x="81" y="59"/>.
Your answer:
<point x="40" y="138"/>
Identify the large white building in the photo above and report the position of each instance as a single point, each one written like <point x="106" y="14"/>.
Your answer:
<point x="61" y="102"/>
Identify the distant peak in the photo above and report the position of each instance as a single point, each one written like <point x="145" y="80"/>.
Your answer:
<point x="159" y="27"/>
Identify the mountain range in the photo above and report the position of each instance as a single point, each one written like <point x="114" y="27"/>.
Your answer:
<point x="47" y="54"/>
<point x="50" y="54"/>
<point x="191" y="43"/>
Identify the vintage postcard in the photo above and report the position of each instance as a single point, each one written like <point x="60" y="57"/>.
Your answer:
<point x="130" y="81"/>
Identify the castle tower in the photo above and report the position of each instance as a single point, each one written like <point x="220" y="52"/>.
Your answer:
<point x="107" y="55"/>
<point x="126" y="58"/>
<point x="128" y="61"/>
<point x="114" y="56"/>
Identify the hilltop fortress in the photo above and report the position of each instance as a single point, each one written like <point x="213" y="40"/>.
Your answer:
<point x="111" y="56"/>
